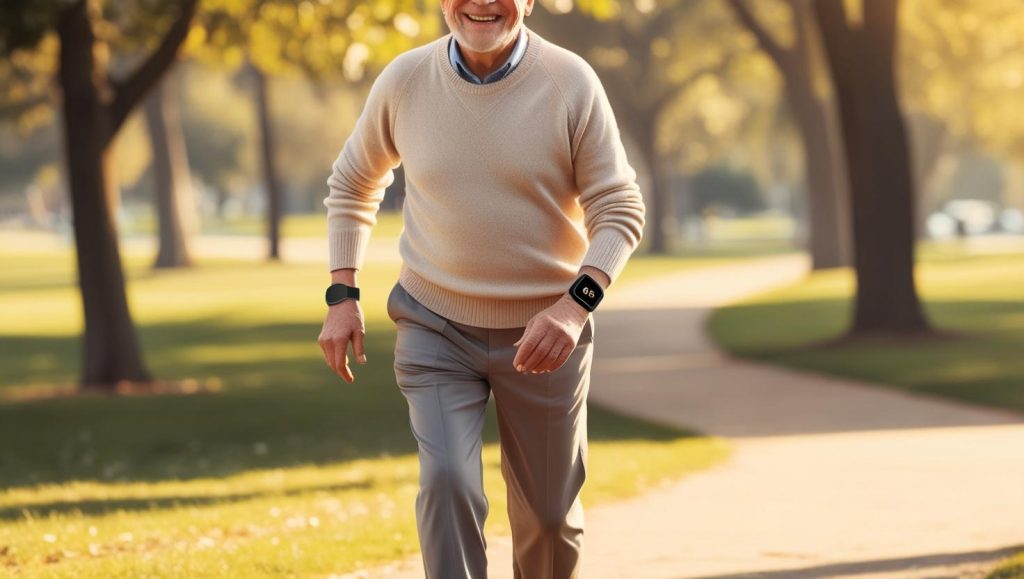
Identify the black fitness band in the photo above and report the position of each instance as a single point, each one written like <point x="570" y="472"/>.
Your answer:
<point x="339" y="292"/>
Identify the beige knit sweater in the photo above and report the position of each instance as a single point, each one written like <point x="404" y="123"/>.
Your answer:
<point x="511" y="186"/>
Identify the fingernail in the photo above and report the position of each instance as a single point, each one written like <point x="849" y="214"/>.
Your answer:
<point x="362" y="359"/>
<point x="519" y="367"/>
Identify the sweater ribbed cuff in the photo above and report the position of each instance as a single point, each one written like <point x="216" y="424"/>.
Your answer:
<point x="609" y="251"/>
<point x="347" y="248"/>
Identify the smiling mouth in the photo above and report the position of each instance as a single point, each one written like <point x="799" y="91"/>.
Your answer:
<point x="482" y="19"/>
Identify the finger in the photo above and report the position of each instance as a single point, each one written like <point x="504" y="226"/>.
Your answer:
<point x="326" y="353"/>
<point x="328" y="348"/>
<point x="529" y="342"/>
<point x="539" y="353"/>
<point x="346" y="372"/>
<point x="357" y="346"/>
<point x="562" y="357"/>
<point x="526" y="331"/>
<point x="341" y="360"/>
<point x="548" y="363"/>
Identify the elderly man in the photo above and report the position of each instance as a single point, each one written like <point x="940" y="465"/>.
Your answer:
<point x="521" y="209"/>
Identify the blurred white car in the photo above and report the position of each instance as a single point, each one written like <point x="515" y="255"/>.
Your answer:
<point x="973" y="217"/>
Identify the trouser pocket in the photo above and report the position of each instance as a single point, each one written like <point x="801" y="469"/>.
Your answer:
<point x="402" y="306"/>
<point x="391" y="300"/>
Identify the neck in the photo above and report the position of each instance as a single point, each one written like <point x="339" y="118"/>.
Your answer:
<point x="484" y="63"/>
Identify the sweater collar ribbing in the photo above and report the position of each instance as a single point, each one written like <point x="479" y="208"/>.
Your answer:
<point x="533" y="49"/>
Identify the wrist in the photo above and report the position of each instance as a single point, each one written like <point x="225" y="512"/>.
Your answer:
<point x="346" y="276"/>
<point x="343" y="291"/>
<point x="581" y="312"/>
<point x="599" y="276"/>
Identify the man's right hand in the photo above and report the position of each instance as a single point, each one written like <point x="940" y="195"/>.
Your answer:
<point x="343" y="325"/>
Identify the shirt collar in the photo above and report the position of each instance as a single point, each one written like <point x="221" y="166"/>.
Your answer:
<point x="455" y="56"/>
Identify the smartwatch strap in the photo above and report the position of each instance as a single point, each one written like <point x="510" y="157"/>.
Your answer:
<point x="339" y="292"/>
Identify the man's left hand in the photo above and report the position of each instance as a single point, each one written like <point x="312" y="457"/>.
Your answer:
<point x="550" y="337"/>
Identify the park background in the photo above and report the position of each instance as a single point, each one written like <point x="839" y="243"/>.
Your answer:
<point x="164" y="407"/>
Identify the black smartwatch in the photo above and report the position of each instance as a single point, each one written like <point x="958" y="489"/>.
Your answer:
<point x="587" y="292"/>
<point x="339" y="292"/>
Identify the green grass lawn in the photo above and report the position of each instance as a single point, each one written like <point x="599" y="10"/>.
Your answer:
<point x="283" y="470"/>
<point x="1011" y="568"/>
<point x="980" y="295"/>
<point x="303" y="225"/>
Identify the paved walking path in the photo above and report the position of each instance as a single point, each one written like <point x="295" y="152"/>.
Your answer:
<point x="830" y="478"/>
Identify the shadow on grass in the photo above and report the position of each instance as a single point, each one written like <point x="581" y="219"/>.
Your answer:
<point x="982" y="365"/>
<point x="280" y="406"/>
<point x="105" y="506"/>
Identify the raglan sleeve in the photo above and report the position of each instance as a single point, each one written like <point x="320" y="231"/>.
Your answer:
<point x="362" y="171"/>
<point x="613" y="206"/>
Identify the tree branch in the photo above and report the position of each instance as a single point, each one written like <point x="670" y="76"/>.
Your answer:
<point x="799" y="10"/>
<point x="130" y="92"/>
<point x="780" y="55"/>
<point x="11" y="110"/>
<point x="717" y="68"/>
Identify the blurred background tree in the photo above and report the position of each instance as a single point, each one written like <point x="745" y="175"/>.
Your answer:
<point x="107" y="56"/>
<point x="176" y="210"/>
<point x="266" y="39"/>
<point x="861" y="49"/>
<point x="797" y="56"/>
<point x="95" y="104"/>
<point x="962" y="70"/>
<point x="722" y="188"/>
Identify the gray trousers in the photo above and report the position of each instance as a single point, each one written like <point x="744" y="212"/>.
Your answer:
<point x="447" y="372"/>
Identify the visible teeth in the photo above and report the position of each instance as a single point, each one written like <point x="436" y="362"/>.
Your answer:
<point x="482" y="19"/>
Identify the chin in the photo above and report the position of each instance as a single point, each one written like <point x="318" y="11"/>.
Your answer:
<point x="471" y="45"/>
<point x="491" y="44"/>
<point x="490" y="47"/>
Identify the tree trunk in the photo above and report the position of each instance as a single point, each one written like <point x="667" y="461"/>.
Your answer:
<point x="827" y="199"/>
<point x="111" y="352"/>
<point x="878" y="161"/>
<point x="270" y="177"/>
<point x="826" y="196"/>
<point x="175" y="207"/>
<point x="661" y="218"/>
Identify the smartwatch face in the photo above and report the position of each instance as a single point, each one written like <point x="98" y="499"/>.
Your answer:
<point x="587" y="291"/>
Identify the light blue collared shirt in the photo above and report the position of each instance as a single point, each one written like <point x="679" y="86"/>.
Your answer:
<point x="455" y="56"/>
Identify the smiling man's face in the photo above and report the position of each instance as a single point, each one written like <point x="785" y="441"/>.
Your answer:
<point x="485" y="27"/>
